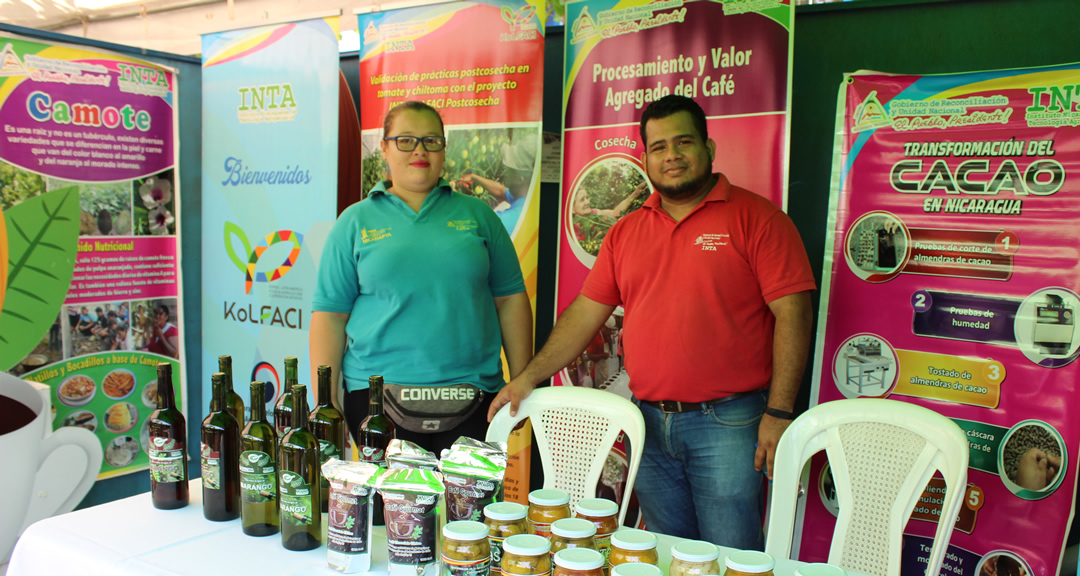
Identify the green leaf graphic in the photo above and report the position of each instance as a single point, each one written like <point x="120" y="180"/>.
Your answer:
<point x="42" y="234"/>
<point x="234" y="230"/>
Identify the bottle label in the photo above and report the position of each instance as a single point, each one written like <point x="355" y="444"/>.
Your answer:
<point x="327" y="450"/>
<point x="258" y="479"/>
<point x="374" y="455"/>
<point x="167" y="460"/>
<point x="211" y="468"/>
<point x="295" y="499"/>
<point x="466" y="567"/>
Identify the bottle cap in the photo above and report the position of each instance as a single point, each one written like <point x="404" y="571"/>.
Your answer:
<point x="526" y="545"/>
<point x="549" y="497"/>
<point x="750" y="562"/>
<point x="594" y="507"/>
<point x="466" y="530"/>
<point x="505" y="511"/>
<point x="633" y="539"/>
<point x="579" y="559"/>
<point x="635" y="569"/>
<point x="695" y="551"/>
<point x="819" y="569"/>
<point x="573" y="528"/>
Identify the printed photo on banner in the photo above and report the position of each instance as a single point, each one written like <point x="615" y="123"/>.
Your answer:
<point x="607" y="189"/>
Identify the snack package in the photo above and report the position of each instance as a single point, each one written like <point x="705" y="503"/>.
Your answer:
<point x="348" y="531"/>
<point x="405" y="454"/>
<point x="410" y="508"/>
<point x="473" y="473"/>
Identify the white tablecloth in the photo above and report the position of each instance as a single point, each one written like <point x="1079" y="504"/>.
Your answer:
<point x="131" y="537"/>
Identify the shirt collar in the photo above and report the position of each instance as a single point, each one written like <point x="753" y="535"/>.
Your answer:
<point x="721" y="192"/>
<point x="383" y="185"/>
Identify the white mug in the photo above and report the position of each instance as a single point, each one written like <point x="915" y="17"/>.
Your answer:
<point x="25" y="451"/>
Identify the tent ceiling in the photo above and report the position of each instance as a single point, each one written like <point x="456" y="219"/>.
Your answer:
<point x="166" y="25"/>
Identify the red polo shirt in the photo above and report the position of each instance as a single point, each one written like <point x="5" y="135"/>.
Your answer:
<point x="696" y="292"/>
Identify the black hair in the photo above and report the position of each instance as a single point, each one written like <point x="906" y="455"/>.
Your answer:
<point x="672" y="104"/>
<point x="415" y="106"/>
<point x="162" y="308"/>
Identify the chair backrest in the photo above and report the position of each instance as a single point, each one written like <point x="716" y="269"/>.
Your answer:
<point x="881" y="453"/>
<point x="575" y="429"/>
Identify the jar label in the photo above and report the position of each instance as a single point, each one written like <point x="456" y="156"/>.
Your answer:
<point x="496" y="553"/>
<point x="603" y="545"/>
<point x="541" y="529"/>
<point x="258" y="479"/>
<point x="167" y="460"/>
<point x="466" y="567"/>
<point x="211" y="468"/>
<point x="295" y="499"/>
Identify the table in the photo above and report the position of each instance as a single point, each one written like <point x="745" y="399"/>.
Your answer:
<point x="131" y="537"/>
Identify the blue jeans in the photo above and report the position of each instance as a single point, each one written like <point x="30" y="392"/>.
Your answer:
<point x="697" y="477"/>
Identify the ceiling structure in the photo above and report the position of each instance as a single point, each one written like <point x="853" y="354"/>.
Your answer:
<point x="168" y="25"/>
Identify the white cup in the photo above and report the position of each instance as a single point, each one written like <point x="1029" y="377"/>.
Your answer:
<point x="25" y="451"/>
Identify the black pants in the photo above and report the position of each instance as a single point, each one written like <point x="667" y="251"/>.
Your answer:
<point x="356" y="409"/>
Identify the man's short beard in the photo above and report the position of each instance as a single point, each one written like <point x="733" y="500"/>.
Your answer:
<point x="684" y="190"/>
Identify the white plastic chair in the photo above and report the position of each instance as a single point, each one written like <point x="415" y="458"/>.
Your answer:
<point x="575" y="429"/>
<point x="882" y="453"/>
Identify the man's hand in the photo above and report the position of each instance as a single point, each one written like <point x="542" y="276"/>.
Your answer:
<point x="769" y="431"/>
<point x="513" y="393"/>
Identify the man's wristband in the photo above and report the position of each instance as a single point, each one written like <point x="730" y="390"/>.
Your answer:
<point x="779" y="413"/>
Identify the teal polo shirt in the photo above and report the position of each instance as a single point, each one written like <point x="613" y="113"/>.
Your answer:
<point x="419" y="288"/>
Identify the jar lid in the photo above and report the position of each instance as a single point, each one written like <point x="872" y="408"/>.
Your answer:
<point x="695" y="551"/>
<point x="633" y="539"/>
<point x="596" y="507"/>
<point x="573" y="528"/>
<point x="465" y="530"/>
<point x="819" y="569"/>
<point x="526" y="545"/>
<point x="505" y="511"/>
<point x="635" y="569"/>
<point x="750" y="561"/>
<point x="579" y="559"/>
<point x="549" y="497"/>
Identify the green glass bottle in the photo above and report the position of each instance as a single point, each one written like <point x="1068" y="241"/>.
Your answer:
<point x="259" y="512"/>
<point x="298" y="481"/>
<point x="283" y="408"/>
<point x="233" y="402"/>
<point x="328" y="425"/>
<point x="220" y="458"/>
<point x="168" y="442"/>
<point x="374" y="434"/>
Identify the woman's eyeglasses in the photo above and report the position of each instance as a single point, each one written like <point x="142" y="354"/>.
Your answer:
<point x="408" y="143"/>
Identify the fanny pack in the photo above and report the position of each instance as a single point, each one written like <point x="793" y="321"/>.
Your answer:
<point x="430" y="409"/>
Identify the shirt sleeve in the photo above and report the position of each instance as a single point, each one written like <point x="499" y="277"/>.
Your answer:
<point x="601" y="285"/>
<point x="779" y="259"/>
<point x="337" y="286"/>
<point x="504" y="277"/>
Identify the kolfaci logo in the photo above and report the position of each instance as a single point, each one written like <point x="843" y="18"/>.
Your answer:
<point x="521" y="23"/>
<point x="270" y="315"/>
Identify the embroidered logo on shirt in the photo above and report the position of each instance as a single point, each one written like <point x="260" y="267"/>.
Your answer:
<point x="709" y="242"/>
<point x="374" y="234"/>
<point x="462" y="224"/>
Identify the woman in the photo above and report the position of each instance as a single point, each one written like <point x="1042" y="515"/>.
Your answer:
<point x="422" y="286"/>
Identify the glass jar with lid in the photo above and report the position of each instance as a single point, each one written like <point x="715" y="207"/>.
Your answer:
<point x="572" y="533"/>
<point x="604" y="514"/>
<point x="749" y="563"/>
<point x="526" y="555"/>
<point x="820" y="569"/>
<point x="465" y="549"/>
<point x="635" y="569"/>
<point x="545" y="507"/>
<point x="503" y="519"/>
<point x="632" y="545"/>
<point x="694" y="558"/>
<point x="578" y="562"/>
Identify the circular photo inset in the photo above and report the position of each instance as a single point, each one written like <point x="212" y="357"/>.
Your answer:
<point x="149" y="394"/>
<point x="877" y="246"/>
<point x="82" y="419"/>
<point x="121" y="417"/>
<point x="1045" y="327"/>
<point x="865" y="366"/>
<point x="1031" y="459"/>
<point x="121" y="451"/>
<point x="1002" y="563"/>
<point x="77" y="390"/>
<point x="827" y="490"/>
<point x="118" y="384"/>
<point x="607" y="189"/>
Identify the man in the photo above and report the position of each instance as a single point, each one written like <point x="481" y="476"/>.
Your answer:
<point x="716" y="286"/>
